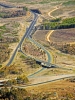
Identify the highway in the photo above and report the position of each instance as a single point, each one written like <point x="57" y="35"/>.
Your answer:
<point x="26" y="35"/>
<point x="36" y="80"/>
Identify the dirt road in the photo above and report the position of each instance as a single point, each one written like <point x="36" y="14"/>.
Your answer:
<point x="45" y="79"/>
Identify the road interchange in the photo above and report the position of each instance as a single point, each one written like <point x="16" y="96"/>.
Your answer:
<point x="27" y="35"/>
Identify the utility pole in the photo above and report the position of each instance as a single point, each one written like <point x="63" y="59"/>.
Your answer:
<point x="55" y="59"/>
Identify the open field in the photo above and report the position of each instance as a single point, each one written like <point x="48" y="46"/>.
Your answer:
<point x="64" y="11"/>
<point x="72" y="13"/>
<point x="14" y="29"/>
<point x="54" y="72"/>
<point x="8" y="35"/>
<point x="69" y="3"/>
<point x="40" y="35"/>
<point x="63" y="36"/>
<point x="59" y="90"/>
<point x="20" y="65"/>
<point x="35" y="1"/>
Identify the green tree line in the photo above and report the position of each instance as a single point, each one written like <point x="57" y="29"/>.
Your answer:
<point x="57" y="24"/>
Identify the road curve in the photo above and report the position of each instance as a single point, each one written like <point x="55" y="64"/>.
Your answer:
<point x="42" y="47"/>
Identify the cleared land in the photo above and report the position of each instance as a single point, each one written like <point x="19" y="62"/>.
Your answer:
<point x="63" y="36"/>
<point x="34" y="51"/>
<point x="40" y="35"/>
<point x="64" y="12"/>
<point x="65" y="9"/>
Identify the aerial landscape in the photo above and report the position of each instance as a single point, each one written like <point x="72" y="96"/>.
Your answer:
<point x="37" y="49"/>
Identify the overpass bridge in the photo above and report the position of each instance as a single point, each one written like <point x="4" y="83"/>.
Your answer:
<point x="35" y="11"/>
<point x="45" y="64"/>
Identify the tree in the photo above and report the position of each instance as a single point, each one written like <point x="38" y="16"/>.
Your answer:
<point x="22" y="79"/>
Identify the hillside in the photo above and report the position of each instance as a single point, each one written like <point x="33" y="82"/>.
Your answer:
<point x="37" y="50"/>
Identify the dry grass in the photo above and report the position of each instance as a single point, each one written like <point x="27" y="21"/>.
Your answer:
<point x="31" y="49"/>
<point x="63" y="36"/>
<point x="62" y="88"/>
<point x="40" y="36"/>
<point x="21" y="31"/>
<point x="64" y="12"/>
<point x="20" y="63"/>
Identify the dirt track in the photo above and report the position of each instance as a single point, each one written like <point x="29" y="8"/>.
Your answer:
<point x="42" y="79"/>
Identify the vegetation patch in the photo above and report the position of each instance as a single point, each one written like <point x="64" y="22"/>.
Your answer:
<point x="65" y="23"/>
<point x="10" y="70"/>
<point x="68" y="49"/>
<point x="2" y="30"/>
<point x="13" y="13"/>
<point x="31" y="49"/>
<point x="69" y="3"/>
<point x="51" y="91"/>
<point x="34" y="1"/>
<point x="8" y="32"/>
<point x="72" y="79"/>
<point x="13" y="94"/>
<point x="29" y="61"/>
<point x="17" y="1"/>
<point x="57" y="12"/>
<point x="22" y="79"/>
<point x="4" y="52"/>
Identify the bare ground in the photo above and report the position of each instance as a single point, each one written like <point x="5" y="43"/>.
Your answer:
<point x="40" y="35"/>
<point x="46" y="78"/>
<point x="63" y="36"/>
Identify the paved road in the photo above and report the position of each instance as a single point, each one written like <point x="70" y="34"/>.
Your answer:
<point x="44" y="79"/>
<point x="42" y="47"/>
<point x="26" y="35"/>
<point x="33" y="75"/>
